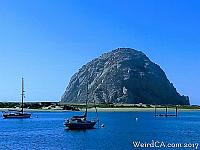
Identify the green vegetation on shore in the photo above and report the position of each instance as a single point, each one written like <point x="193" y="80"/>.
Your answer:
<point x="77" y="107"/>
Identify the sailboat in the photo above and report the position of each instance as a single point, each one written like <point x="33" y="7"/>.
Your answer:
<point x="81" y="122"/>
<point x="17" y="114"/>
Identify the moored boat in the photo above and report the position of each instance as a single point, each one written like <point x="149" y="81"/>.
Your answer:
<point x="14" y="114"/>
<point x="81" y="122"/>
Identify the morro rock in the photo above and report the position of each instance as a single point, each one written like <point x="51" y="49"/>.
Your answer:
<point x="123" y="75"/>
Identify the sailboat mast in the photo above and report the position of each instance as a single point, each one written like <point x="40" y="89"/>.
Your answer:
<point x="86" y="100"/>
<point x="22" y="95"/>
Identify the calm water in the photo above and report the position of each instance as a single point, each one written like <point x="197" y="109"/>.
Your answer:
<point x="121" y="129"/>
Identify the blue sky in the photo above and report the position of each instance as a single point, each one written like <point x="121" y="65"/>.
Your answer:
<point x="47" y="41"/>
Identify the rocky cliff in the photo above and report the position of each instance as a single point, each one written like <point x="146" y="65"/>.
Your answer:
<point x="123" y="75"/>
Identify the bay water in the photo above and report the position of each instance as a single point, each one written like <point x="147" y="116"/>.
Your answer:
<point x="122" y="131"/>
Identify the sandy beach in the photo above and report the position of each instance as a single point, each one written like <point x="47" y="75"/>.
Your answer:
<point x="137" y="109"/>
<point x="106" y="110"/>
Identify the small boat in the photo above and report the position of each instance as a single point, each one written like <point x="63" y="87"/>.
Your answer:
<point x="81" y="122"/>
<point x="17" y="114"/>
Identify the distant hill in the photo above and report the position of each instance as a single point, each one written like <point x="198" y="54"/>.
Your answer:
<point x="123" y="75"/>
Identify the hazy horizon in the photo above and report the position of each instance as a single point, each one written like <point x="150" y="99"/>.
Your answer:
<point x="46" y="42"/>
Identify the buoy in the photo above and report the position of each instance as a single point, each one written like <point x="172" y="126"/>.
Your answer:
<point x="136" y="119"/>
<point x="102" y="125"/>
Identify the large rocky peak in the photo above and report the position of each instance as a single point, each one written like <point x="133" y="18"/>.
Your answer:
<point x="123" y="75"/>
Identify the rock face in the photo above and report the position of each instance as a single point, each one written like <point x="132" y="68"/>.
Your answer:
<point x="123" y="75"/>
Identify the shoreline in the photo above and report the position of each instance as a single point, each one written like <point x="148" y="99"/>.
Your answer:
<point x="105" y="110"/>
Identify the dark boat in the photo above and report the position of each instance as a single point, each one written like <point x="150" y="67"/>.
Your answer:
<point x="81" y="122"/>
<point x="17" y="114"/>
